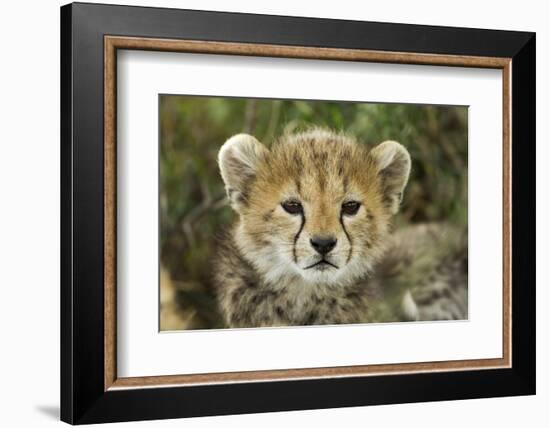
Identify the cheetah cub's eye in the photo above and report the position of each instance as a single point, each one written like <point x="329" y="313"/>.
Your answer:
<point x="350" y="208"/>
<point x="292" y="207"/>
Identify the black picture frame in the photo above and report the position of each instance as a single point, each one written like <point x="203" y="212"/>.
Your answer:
<point x="83" y="397"/>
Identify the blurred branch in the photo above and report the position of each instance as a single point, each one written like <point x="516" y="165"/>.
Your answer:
<point x="452" y="154"/>
<point x="250" y="115"/>
<point x="437" y="135"/>
<point x="273" y="120"/>
<point x="208" y="204"/>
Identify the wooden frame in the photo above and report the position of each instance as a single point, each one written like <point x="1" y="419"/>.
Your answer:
<point x="513" y="53"/>
<point x="112" y="43"/>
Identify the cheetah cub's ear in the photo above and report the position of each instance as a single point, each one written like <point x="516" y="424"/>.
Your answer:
<point x="239" y="158"/>
<point x="393" y="163"/>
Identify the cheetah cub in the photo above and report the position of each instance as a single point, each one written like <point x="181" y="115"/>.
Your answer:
<point x="314" y="215"/>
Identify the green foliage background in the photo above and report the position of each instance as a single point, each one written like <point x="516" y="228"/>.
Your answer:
<point x="192" y="200"/>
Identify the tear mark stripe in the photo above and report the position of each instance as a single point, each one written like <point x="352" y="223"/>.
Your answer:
<point x="347" y="236"/>
<point x="303" y="222"/>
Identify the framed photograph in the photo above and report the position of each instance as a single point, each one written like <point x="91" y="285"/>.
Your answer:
<point x="266" y="213"/>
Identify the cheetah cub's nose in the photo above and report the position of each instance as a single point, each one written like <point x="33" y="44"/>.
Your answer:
<point x="323" y="244"/>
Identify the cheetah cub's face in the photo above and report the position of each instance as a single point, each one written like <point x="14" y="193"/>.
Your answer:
<point x="316" y="207"/>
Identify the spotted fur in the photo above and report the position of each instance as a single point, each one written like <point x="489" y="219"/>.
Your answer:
<point x="268" y="272"/>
